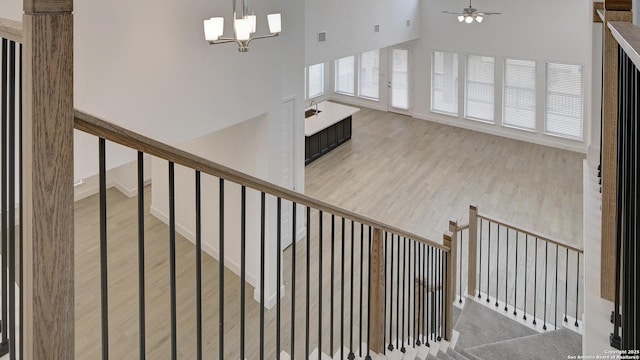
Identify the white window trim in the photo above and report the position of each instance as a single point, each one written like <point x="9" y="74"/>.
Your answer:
<point x="536" y="92"/>
<point x="324" y="85"/>
<point x="466" y="82"/>
<point x="357" y="77"/>
<point x="456" y="114"/>
<point x="582" y="109"/>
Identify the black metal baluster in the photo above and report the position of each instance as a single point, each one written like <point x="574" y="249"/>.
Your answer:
<point x="342" y="293"/>
<point x="497" y="265"/>
<point x="526" y="270"/>
<point x="361" y="287"/>
<point x="386" y="253"/>
<point x="198" y="268"/>
<point x="141" y="278"/>
<point x="20" y="193"/>
<point x="243" y="270"/>
<point x="172" y="261"/>
<point x="404" y="282"/>
<point x="431" y="288"/>
<point x="413" y="284"/>
<point x="425" y="339"/>
<point x="460" y="271"/>
<point x="566" y="286"/>
<point x="555" y="319"/>
<point x="390" y="347"/>
<point x="506" y="275"/>
<point x="577" y="287"/>
<point x="104" y="266"/>
<point x="333" y="233"/>
<point x="5" y="206"/>
<point x="440" y="292"/>
<point x="221" y="273"/>
<point x="480" y="264"/>
<point x="262" y="275"/>
<point x="398" y="296"/>
<point x="351" y="351"/>
<point x="278" y="272"/>
<point x="535" y="284"/>
<point x="320" y="240"/>
<point x="308" y="287"/>
<point x="419" y="297"/>
<point x="408" y="294"/>
<point x="368" y="357"/>
<point x="489" y="261"/>
<point x="12" y="200"/>
<point x="294" y="240"/>
<point x="546" y="279"/>
<point x="515" y="295"/>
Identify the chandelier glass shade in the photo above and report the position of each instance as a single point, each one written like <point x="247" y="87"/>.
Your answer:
<point x="244" y="28"/>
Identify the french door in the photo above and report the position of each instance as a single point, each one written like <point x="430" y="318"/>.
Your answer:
<point x="399" y="80"/>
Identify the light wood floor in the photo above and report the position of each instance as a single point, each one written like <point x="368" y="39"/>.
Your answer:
<point x="409" y="173"/>
<point x="417" y="175"/>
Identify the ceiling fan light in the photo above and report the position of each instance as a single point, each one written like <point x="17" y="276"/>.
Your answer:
<point x="460" y="18"/>
<point x="468" y="19"/>
<point x="479" y="19"/>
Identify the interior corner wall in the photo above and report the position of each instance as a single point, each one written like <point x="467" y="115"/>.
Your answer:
<point x="544" y="31"/>
<point x="238" y="146"/>
<point x="349" y="26"/>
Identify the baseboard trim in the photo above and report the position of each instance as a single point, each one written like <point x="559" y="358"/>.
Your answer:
<point x="207" y="248"/>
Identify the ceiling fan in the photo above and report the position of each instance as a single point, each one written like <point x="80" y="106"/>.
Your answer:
<point x="470" y="14"/>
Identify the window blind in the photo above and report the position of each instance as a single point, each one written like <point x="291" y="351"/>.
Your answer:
<point x="316" y="80"/>
<point x="345" y="75"/>
<point x="564" y="107"/>
<point x="369" y="81"/>
<point x="444" y="82"/>
<point x="480" y="87"/>
<point x="520" y="94"/>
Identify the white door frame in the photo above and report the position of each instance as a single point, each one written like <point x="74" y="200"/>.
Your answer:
<point x="391" y="108"/>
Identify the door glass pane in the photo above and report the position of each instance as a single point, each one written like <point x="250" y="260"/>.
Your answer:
<point x="400" y="79"/>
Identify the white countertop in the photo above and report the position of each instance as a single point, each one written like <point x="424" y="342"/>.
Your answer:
<point x="330" y="113"/>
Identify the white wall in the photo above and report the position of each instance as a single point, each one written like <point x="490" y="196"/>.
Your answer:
<point x="237" y="146"/>
<point x="350" y="26"/>
<point x="545" y="30"/>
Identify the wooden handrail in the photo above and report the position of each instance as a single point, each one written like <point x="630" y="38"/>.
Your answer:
<point x="11" y="30"/>
<point x="530" y="233"/>
<point x="462" y="227"/>
<point x="628" y="36"/>
<point x="100" y="128"/>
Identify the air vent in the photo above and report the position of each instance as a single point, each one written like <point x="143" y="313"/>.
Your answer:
<point x="322" y="36"/>
<point x="408" y="23"/>
<point x="376" y="28"/>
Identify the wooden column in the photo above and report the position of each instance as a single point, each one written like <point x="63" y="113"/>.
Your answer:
<point x="378" y="286"/>
<point x="450" y="286"/>
<point x="473" y="250"/>
<point x="48" y="307"/>
<point x="618" y="10"/>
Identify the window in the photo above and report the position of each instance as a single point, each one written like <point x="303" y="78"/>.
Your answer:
<point x="480" y="87"/>
<point x="520" y="94"/>
<point x="345" y="75"/>
<point x="564" y="100"/>
<point x="369" y="81"/>
<point x="316" y="81"/>
<point x="444" y="82"/>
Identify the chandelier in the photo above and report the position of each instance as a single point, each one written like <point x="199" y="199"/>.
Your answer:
<point x="244" y="28"/>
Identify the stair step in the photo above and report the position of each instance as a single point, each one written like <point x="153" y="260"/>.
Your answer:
<point x="456" y="355"/>
<point x="558" y="344"/>
<point x="443" y="356"/>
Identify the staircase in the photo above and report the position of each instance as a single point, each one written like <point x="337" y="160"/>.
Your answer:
<point x="483" y="334"/>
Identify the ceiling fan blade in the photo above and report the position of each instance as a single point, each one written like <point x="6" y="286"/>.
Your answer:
<point x="452" y="12"/>
<point x="487" y="13"/>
